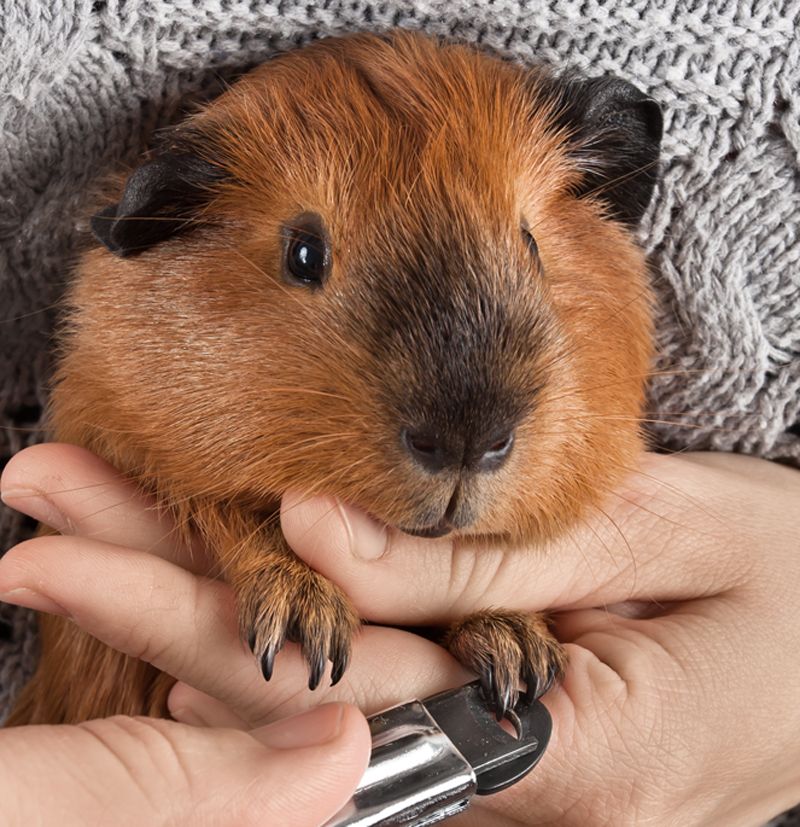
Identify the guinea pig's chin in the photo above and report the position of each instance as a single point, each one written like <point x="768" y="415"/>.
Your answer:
<point x="455" y="514"/>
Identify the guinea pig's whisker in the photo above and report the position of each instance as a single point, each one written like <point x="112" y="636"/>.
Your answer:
<point x="680" y="413"/>
<point x="31" y="313"/>
<point x="579" y="546"/>
<point x="109" y="507"/>
<point x="74" y="490"/>
<point x="311" y="442"/>
<point x="342" y="472"/>
<point x="676" y="372"/>
<point x="572" y="392"/>
<point x="589" y="338"/>
<point x="647" y="510"/>
<point x="683" y="495"/>
<point x="115" y="219"/>
<point x="319" y="485"/>
<point x="35" y="429"/>
<point x="316" y="522"/>
<point x="651" y="421"/>
<point x="606" y="185"/>
<point x="619" y="531"/>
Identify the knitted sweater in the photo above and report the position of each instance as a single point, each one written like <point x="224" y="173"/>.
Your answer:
<point x="83" y="86"/>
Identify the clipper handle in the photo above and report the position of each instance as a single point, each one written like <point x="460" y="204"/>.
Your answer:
<point x="430" y="757"/>
<point x="415" y="776"/>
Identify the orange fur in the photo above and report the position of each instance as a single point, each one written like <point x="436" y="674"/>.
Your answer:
<point x="194" y="369"/>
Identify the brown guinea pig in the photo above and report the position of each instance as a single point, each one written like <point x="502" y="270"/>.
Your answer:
<point x="385" y="268"/>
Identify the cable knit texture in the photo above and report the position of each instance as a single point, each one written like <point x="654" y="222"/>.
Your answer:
<point x="84" y="85"/>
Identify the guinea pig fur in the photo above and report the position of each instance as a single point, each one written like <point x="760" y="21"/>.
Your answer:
<point x="385" y="268"/>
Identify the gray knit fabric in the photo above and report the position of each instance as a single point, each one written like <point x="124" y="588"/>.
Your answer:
<point x="84" y="85"/>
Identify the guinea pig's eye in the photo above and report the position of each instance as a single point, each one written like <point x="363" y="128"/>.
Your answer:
<point x="306" y="253"/>
<point x="530" y="241"/>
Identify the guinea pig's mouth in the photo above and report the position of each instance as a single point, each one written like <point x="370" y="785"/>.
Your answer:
<point x="441" y="529"/>
<point x="458" y="514"/>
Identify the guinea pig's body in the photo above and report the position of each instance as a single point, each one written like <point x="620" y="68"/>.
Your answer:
<point x="383" y="268"/>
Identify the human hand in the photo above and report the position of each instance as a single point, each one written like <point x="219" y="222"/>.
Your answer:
<point x="160" y="607"/>
<point x="145" y="771"/>
<point x="678" y="605"/>
<point x="600" y="768"/>
<point x="298" y="771"/>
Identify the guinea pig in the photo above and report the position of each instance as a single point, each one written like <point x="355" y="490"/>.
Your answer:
<point x="383" y="267"/>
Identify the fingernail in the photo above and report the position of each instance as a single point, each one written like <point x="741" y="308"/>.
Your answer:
<point x="33" y="600"/>
<point x="309" y="729"/>
<point x="367" y="536"/>
<point x="35" y="504"/>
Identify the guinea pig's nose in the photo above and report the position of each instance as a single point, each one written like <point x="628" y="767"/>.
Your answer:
<point x="492" y="457"/>
<point x="430" y="450"/>
<point x="435" y="452"/>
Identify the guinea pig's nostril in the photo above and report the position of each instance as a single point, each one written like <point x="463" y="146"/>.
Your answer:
<point x="421" y="444"/>
<point x="428" y="449"/>
<point x="497" y="453"/>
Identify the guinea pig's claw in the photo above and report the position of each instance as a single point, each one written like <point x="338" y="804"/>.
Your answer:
<point x="531" y="692"/>
<point x="309" y="611"/>
<point x="537" y="687"/>
<point x="268" y="660"/>
<point x="499" y="691"/>
<point x="506" y="648"/>
<point x="504" y="701"/>
<point x="316" y="669"/>
<point x="339" y="654"/>
<point x="341" y="658"/>
<point x="486" y="676"/>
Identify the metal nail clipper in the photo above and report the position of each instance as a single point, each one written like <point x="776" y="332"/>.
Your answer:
<point x="430" y="757"/>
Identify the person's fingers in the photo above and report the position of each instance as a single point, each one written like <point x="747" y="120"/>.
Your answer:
<point x="388" y="667"/>
<point x="191" y="706"/>
<point x="585" y="713"/>
<point x="131" y="771"/>
<point x="136" y="603"/>
<point x="187" y="626"/>
<point x="667" y="535"/>
<point x="75" y="492"/>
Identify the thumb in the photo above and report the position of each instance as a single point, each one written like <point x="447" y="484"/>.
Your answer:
<point x="297" y="772"/>
<point x="672" y="531"/>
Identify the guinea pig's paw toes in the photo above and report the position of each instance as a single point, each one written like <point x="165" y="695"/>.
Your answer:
<point x="313" y="613"/>
<point x="506" y="649"/>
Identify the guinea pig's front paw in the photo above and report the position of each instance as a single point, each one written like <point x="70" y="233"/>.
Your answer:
<point x="504" y="648"/>
<point x="305" y="608"/>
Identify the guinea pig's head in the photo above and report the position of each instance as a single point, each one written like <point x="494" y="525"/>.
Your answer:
<point x="384" y="268"/>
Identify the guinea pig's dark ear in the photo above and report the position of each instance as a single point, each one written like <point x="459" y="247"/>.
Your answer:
<point x="159" y="199"/>
<point x="616" y="132"/>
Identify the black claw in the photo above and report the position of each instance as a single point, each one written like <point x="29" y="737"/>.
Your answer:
<point x="552" y="675"/>
<point x="502" y="702"/>
<point x="537" y="688"/>
<point x="340" y="661"/>
<point x="316" y="670"/>
<point x="527" y="697"/>
<point x="251" y="640"/>
<point x="268" y="660"/>
<point x="487" y="683"/>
